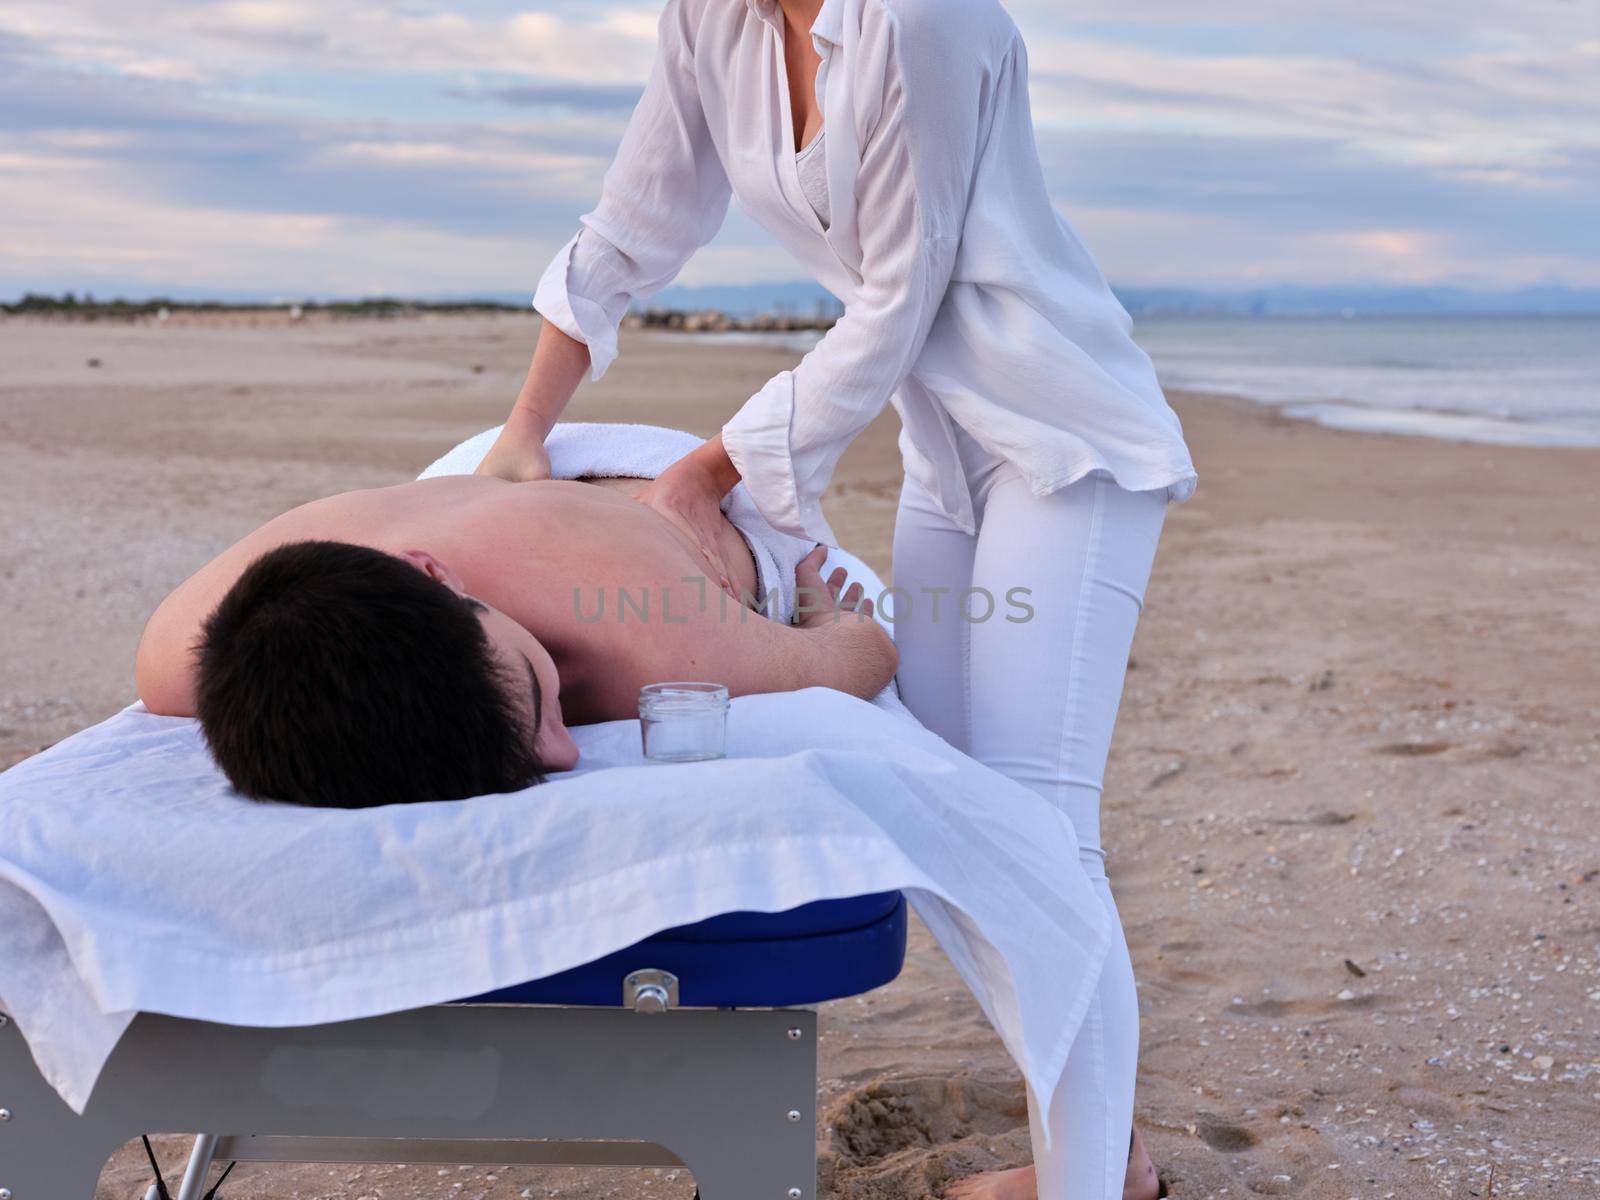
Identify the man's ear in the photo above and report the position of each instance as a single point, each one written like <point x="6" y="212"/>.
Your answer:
<point x="434" y="569"/>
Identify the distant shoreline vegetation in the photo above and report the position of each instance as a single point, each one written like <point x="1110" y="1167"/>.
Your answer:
<point x="789" y="308"/>
<point x="86" y="308"/>
<point x="714" y="320"/>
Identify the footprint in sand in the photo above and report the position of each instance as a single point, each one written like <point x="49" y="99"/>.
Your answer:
<point x="1277" y="1010"/>
<point x="905" y="1138"/>
<point x="1413" y="749"/>
<point x="1223" y="1136"/>
<point x="1273" y="1009"/>
<point x="890" y="1115"/>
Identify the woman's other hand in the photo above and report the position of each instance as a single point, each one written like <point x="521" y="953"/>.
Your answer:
<point x="517" y="456"/>
<point x="689" y="494"/>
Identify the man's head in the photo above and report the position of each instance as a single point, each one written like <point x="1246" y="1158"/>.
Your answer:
<point x="340" y="676"/>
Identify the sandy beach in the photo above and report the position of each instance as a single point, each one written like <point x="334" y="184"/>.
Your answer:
<point x="1351" y="808"/>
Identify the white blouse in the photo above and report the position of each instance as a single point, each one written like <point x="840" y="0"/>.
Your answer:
<point x="968" y="300"/>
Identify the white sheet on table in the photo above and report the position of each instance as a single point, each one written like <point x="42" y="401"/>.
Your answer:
<point x="133" y="879"/>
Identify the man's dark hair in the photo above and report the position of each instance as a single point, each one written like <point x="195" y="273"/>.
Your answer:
<point x="339" y="676"/>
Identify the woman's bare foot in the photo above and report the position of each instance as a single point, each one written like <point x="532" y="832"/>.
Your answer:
<point x="1142" y="1182"/>
<point x="1020" y="1183"/>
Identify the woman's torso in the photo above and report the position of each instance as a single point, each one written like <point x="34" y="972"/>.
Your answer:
<point x="1029" y="352"/>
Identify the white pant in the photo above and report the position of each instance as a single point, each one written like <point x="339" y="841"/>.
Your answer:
<point x="1036" y="699"/>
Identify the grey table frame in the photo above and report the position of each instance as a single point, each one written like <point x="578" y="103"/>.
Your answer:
<point x="731" y="1095"/>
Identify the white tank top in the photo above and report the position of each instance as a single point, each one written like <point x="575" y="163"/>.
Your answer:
<point x="813" y="167"/>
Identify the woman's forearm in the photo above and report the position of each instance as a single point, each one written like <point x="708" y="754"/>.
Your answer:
<point x="712" y="462"/>
<point x="559" y="364"/>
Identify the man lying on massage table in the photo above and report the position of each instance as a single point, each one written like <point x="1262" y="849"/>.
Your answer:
<point x="431" y="641"/>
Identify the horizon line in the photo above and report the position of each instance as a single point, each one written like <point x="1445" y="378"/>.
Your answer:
<point x="191" y="294"/>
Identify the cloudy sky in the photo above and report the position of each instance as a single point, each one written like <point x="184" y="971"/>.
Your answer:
<point x="301" y="147"/>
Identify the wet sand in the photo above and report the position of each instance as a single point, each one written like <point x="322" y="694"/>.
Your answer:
<point x="1351" y="808"/>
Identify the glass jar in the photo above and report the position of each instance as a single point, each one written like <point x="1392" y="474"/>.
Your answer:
<point x="683" y="722"/>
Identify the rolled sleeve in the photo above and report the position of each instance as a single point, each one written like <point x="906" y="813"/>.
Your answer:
<point x="664" y="196"/>
<point x="571" y="310"/>
<point x="757" y="441"/>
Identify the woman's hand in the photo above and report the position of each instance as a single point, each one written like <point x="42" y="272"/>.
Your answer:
<point x="689" y="494"/>
<point x="518" y="456"/>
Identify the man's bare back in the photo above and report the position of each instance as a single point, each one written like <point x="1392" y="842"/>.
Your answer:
<point x="612" y="590"/>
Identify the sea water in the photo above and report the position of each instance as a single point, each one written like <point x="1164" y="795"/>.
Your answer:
<point x="1523" y="381"/>
<point x="1528" y="381"/>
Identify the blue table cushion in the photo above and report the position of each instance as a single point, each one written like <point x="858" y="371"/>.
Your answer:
<point x="819" y="951"/>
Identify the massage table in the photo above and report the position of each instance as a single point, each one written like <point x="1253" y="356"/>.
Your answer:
<point x="689" y="1049"/>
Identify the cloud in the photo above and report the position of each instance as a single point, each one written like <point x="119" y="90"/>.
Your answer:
<point x="1498" y="110"/>
<point x="165" y="142"/>
<point x="1305" y="185"/>
<point x="424" y="145"/>
<point x="583" y="97"/>
<point x="222" y="41"/>
<point x="133" y="245"/>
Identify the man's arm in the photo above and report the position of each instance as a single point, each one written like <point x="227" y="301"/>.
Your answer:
<point x="851" y="654"/>
<point x="836" y="644"/>
<point x="164" y="665"/>
<point x="846" y="647"/>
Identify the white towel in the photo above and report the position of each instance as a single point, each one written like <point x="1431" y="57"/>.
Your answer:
<point x="603" y="451"/>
